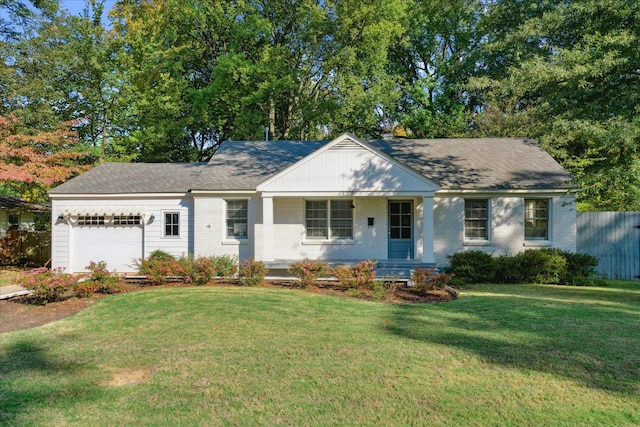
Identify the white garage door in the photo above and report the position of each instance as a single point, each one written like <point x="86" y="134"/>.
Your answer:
<point x="119" y="245"/>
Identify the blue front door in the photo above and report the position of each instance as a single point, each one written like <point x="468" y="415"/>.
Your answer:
<point x="400" y="229"/>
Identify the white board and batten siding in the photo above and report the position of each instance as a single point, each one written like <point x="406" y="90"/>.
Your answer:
<point x="506" y="226"/>
<point x="347" y="168"/>
<point x="74" y="246"/>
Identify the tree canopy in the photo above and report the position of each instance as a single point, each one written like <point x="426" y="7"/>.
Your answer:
<point x="170" y="80"/>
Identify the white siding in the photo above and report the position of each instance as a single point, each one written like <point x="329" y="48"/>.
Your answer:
<point x="210" y="228"/>
<point x="506" y="226"/>
<point x="153" y="234"/>
<point x="339" y="170"/>
<point x="368" y="242"/>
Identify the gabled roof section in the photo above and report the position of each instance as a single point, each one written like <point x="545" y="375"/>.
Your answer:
<point x="480" y="163"/>
<point x="348" y="164"/>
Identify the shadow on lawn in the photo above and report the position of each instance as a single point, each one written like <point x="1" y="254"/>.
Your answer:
<point x="24" y="368"/>
<point x="587" y="337"/>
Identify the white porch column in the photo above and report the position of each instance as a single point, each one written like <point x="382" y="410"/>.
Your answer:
<point x="427" y="229"/>
<point x="267" y="228"/>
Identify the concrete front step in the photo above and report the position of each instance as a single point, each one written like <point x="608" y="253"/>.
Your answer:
<point x="400" y="269"/>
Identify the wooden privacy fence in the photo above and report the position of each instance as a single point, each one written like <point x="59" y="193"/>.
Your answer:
<point x="614" y="238"/>
<point x="26" y="248"/>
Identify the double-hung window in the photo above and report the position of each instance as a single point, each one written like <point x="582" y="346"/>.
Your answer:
<point x="171" y="224"/>
<point x="536" y="219"/>
<point x="329" y="219"/>
<point x="237" y="219"/>
<point x="476" y="219"/>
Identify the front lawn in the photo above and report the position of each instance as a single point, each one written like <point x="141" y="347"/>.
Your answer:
<point x="8" y="276"/>
<point x="499" y="355"/>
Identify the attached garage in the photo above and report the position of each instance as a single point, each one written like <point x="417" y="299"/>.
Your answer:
<point x="115" y="238"/>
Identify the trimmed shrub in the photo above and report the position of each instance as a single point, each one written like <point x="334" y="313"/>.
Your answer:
<point x="308" y="271"/>
<point x="508" y="269"/>
<point x="47" y="285"/>
<point x="85" y="288"/>
<point x="159" y="269"/>
<point x="226" y="265"/>
<point x="202" y="270"/>
<point x="160" y="266"/>
<point x="546" y="265"/>
<point x="100" y="280"/>
<point x="361" y="275"/>
<point x="581" y="269"/>
<point x="252" y="273"/>
<point x="426" y="279"/>
<point x="472" y="267"/>
<point x="161" y="256"/>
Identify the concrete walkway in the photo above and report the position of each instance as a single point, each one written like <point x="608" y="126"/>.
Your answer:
<point x="12" y="291"/>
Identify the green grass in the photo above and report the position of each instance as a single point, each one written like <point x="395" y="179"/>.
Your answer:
<point x="500" y="355"/>
<point x="7" y="277"/>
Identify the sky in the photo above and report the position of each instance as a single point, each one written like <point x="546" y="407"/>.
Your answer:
<point x="75" y="7"/>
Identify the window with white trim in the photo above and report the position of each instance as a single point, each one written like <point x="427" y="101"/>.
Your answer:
<point x="171" y="224"/>
<point x="536" y="219"/>
<point x="476" y="219"/>
<point x="329" y="219"/>
<point x="237" y="219"/>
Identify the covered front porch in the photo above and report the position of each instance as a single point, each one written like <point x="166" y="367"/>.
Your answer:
<point x="346" y="201"/>
<point x="395" y="230"/>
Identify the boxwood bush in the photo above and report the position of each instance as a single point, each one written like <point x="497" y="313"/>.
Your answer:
<point x="472" y="267"/>
<point x="547" y="265"/>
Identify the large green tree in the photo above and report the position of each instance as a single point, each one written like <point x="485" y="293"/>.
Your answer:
<point x="434" y="61"/>
<point x="566" y="73"/>
<point x="198" y="73"/>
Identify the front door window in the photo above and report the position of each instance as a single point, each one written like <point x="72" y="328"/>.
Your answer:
<point x="400" y="229"/>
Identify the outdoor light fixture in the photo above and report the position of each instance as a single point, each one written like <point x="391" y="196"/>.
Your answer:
<point x="152" y="217"/>
<point x="60" y="217"/>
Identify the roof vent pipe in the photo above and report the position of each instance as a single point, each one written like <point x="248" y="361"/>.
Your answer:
<point x="266" y="133"/>
<point x="388" y="136"/>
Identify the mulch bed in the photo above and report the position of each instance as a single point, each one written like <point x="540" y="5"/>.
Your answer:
<point x="20" y="313"/>
<point x="23" y="312"/>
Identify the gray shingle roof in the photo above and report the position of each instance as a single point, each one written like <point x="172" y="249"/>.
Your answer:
<point x="114" y="178"/>
<point x="480" y="163"/>
<point x="465" y="163"/>
<point x="18" y="204"/>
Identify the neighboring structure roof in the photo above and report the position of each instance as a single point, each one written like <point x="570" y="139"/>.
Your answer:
<point x="464" y="163"/>
<point x="479" y="163"/>
<point x="15" y="203"/>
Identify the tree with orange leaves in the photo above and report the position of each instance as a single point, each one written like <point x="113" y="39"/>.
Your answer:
<point x="32" y="164"/>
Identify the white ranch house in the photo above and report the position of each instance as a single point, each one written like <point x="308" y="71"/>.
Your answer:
<point x="407" y="201"/>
